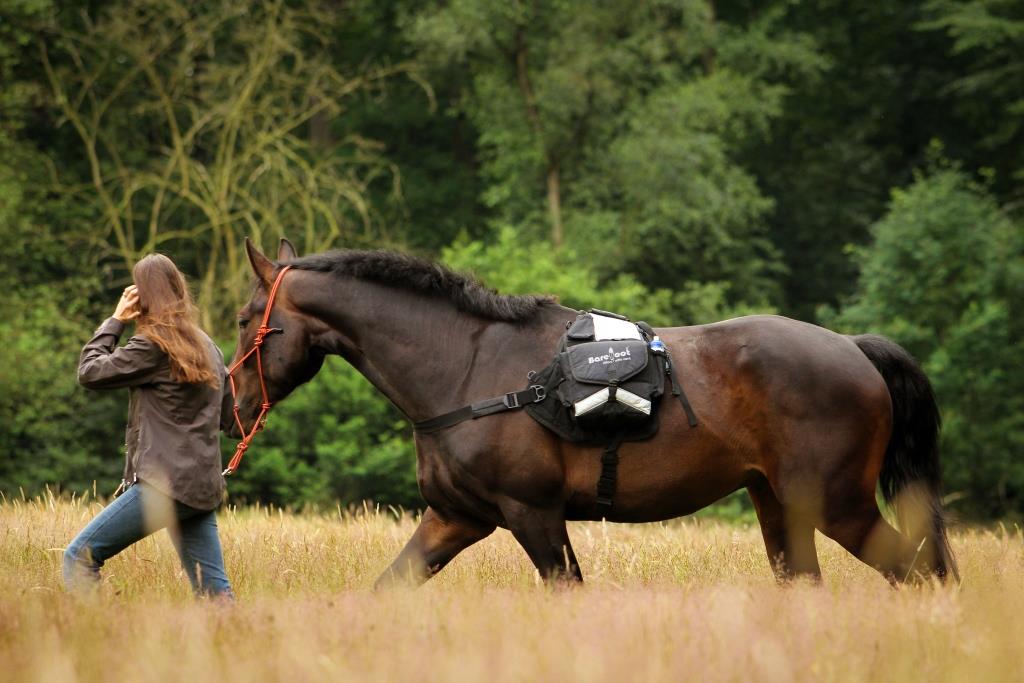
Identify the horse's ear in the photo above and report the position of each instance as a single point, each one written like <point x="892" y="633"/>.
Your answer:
<point x="261" y="265"/>
<point x="286" y="251"/>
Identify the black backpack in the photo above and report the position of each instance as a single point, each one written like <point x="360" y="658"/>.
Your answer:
<point x="610" y="381"/>
<point x="598" y="389"/>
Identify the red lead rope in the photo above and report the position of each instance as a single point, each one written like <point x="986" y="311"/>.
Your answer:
<point x="261" y="420"/>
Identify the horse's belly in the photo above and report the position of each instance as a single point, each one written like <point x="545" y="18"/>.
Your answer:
<point x="654" y="484"/>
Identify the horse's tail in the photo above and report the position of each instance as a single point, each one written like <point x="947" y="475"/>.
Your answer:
<point x="911" y="476"/>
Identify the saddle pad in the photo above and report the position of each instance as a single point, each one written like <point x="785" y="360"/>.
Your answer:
<point x="613" y="328"/>
<point x="597" y="327"/>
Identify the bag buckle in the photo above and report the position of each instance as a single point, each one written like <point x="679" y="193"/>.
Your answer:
<point x="511" y="399"/>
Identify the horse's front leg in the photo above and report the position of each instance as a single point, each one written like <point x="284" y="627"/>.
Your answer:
<point x="545" y="539"/>
<point x="433" y="545"/>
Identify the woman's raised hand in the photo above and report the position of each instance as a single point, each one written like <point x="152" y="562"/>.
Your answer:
<point x="128" y="307"/>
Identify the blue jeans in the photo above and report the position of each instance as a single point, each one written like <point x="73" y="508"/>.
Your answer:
<point x="137" y="513"/>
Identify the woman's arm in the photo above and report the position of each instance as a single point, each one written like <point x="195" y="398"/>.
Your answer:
<point x="104" y="366"/>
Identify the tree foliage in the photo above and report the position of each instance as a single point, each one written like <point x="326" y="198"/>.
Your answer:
<point x="680" y="161"/>
<point x="195" y="122"/>
<point x="987" y="37"/>
<point x="626" y="123"/>
<point x="944" y="276"/>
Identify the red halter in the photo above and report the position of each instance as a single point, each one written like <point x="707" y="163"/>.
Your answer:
<point x="261" y="420"/>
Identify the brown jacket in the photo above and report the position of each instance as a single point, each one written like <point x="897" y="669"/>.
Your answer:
<point x="172" y="439"/>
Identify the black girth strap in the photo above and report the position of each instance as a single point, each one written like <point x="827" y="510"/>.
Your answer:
<point x="490" y="406"/>
<point x="609" y="473"/>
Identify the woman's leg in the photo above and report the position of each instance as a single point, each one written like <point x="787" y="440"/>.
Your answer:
<point x="132" y="516"/>
<point x="198" y="544"/>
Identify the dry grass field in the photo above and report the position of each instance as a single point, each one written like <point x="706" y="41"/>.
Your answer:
<point x="687" y="600"/>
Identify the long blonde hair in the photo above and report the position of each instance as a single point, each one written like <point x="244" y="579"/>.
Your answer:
<point x="170" y="320"/>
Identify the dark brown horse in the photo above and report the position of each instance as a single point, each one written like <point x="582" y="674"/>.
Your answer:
<point x="807" y="420"/>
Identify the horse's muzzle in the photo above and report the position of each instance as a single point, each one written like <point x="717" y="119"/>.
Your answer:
<point x="233" y="431"/>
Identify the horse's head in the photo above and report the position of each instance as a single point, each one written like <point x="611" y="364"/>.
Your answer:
<point x="287" y="356"/>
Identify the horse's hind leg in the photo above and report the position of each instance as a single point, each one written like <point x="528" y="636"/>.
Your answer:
<point x="545" y="539"/>
<point x="864" y="533"/>
<point x="788" y="534"/>
<point x="433" y="545"/>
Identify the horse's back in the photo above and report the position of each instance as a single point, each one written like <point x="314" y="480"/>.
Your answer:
<point x="776" y="353"/>
<point x="772" y="380"/>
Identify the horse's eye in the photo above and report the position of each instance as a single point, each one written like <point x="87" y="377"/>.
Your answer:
<point x="242" y="322"/>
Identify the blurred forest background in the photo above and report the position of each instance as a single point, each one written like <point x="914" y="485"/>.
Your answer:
<point x="856" y="164"/>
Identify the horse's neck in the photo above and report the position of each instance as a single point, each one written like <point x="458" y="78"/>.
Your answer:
<point x="422" y="353"/>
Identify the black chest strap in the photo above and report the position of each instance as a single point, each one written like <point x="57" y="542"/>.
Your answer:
<point x="490" y="406"/>
<point x="533" y="394"/>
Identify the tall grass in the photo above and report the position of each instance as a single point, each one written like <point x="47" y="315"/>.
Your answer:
<point x="687" y="600"/>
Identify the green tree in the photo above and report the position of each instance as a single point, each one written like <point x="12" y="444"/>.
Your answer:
<point x="622" y="130"/>
<point x="845" y="136"/>
<point x="193" y="122"/>
<point x="51" y="432"/>
<point x="987" y="88"/>
<point x="540" y="76"/>
<point x="896" y="76"/>
<point x="944" y="276"/>
<point x="436" y="188"/>
<point x="515" y="265"/>
<point x="692" y="213"/>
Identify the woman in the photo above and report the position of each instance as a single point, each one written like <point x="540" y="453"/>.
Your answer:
<point x="172" y="478"/>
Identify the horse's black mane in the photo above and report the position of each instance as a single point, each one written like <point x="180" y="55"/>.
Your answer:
<point x="409" y="272"/>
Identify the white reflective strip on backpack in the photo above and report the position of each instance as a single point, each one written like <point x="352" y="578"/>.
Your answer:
<point x="633" y="401"/>
<point x="595" y="400"/>
<point x="613" y="328"/>
<point x="599" y="398"/>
